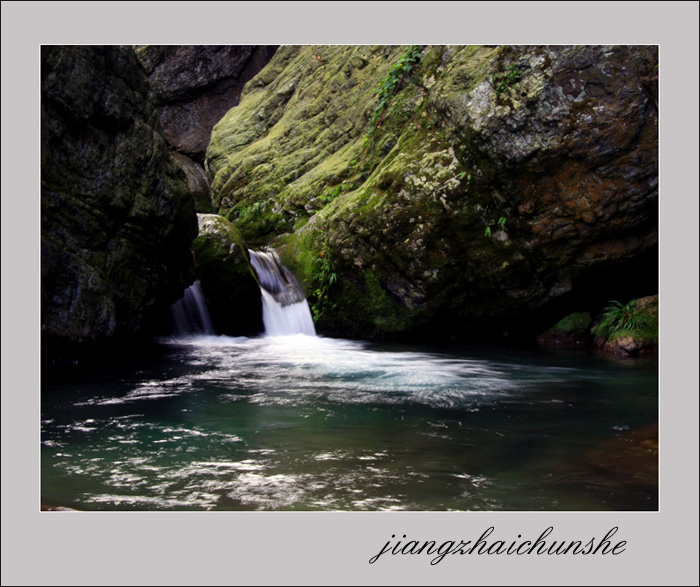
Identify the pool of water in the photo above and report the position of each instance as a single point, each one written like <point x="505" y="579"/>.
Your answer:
<point x="311" y="423"/>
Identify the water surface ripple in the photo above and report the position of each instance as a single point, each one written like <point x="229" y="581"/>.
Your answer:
<point x="311" y="423"/>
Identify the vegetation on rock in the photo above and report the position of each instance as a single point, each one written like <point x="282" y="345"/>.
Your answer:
<point x="227" y="280"/>
<point x="628" y="328"/>
<point x="556" y="164"/>
<point x="389" y="85"/>
<point x="323" y="278"/>
<point x="577" y="324"/>
<point x="505" y="80"/>
<point x="573" y="330"/>
<point x="618" y="317"/>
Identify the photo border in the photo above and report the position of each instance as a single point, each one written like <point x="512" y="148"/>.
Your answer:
<point x="334" y="548"/>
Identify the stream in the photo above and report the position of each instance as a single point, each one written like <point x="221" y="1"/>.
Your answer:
<point x="301" y="422"/>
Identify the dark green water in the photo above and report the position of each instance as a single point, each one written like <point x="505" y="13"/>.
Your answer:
<point x="303" y="423"/>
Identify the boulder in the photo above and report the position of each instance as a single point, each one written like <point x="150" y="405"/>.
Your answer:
<point x="633" y="342"/>
<point x="227" y="280"/>
<point x="458" y="194"/>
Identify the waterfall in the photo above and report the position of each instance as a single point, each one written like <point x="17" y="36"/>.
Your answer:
<point x="285" y="309"/>
<point x="190" y="313"/>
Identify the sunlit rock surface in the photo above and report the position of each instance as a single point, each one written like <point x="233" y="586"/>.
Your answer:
<point x="503" y="186"/>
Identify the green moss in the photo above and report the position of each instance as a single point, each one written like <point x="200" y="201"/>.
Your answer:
<point x="300" y="223"/>
<point x="298" y="252"/>
<point x="299" y="157"/>
<point x="366" y="311"/>
<point x="373" y="310"/>
<point x="307" y="96"/>
<point x="387" y="316"/>
<point x="576" y="324"/>
<point x="221" y="246"/>
<point x="299" y="149"/>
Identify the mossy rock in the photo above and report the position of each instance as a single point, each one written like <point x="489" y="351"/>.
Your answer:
<point x="573" y="330"/>
<point x="469" y="207"/>
<point x="227" y="280"/>
<point x="300" y="126"/>
<point x="633" y="342"/>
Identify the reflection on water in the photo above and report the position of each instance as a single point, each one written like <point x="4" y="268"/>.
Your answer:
<point x="307" y="423"/>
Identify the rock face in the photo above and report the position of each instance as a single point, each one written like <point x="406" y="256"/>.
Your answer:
<point x="195" y="85"/>
<point x="230" y="287"/>
<point x="196" y="181"/>
<point x="468" y="191"/>
<point x="117" y="217"/>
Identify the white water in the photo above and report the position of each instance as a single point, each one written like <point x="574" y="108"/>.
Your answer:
<point x="190" y="313"/>
<point x="285" y="309"/>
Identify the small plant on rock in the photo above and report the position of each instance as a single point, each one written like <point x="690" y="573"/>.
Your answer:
<point x="335" y="192"/>
<point x="502" y="81"/>
<point x="391" y="83"/>
<point x="617" y="317"/>
<point x="323" y="278"/>
<point x="254" y="211"/>
<point x="501" y="223"/>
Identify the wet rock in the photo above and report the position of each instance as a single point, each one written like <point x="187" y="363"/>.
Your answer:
<point x="625" y="344"/>
<point x="227" y="280"/>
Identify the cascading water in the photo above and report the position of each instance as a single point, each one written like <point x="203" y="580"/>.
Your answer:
<point x="190" y="313"/>
<point x="285" y="309"/>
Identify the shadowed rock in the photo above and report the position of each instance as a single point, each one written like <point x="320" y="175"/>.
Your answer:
<point x="117" y="217"/>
